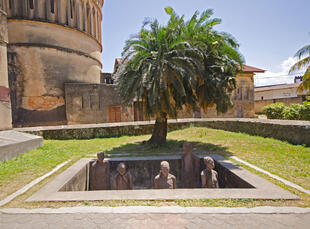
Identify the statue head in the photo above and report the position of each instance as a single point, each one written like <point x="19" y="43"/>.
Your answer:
<point x="164" y="168"/>
<point x="187" y="147"/>
<point x="100" y="156"/>
<point x="121" y="168"/>
<point x="209" y="162"/>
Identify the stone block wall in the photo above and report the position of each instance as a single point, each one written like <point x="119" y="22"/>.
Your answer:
<point x="295" y="132"/>
<point x="260" y="104"/>
<point x="92" y="103"/>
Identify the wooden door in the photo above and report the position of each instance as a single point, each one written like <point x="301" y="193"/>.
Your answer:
<point x="138" y="112"/>
<point x="115" y="114"/>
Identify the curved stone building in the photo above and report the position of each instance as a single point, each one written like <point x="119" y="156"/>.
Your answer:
<point x="5" y="105"/>
<point x="50" y="43"/>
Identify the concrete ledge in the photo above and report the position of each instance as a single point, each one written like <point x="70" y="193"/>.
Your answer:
<point x="13" y="143"/>
<point x="295" y="132"/>
<point x="263" y="188"/>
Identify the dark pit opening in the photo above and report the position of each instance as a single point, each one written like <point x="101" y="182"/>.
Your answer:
<point x="144" y="172"/>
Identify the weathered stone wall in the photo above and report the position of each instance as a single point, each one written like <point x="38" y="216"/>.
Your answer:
<point x="84" y="16"/>
<point x="242" y="97"/>
<point x="48" y="47"/>
<point x="243" y="100"/>
<point x="295" y="132"/>
<point x="90" y="103"/>
<point x="5" y="104"/>
<point x="260" y="104"/>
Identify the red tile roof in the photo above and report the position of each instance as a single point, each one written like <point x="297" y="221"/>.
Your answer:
<point x="250" y="69"/>
<point x="276" y="87"/>
<point x="116" y="63"/>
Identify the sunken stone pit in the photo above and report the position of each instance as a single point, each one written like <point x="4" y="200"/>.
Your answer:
<point x="234" y="182"/>
<point x="145" y="169"/>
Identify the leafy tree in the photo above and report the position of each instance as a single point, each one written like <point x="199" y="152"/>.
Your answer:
<point x="184" y="64"/>
<point x="303" y="56"/>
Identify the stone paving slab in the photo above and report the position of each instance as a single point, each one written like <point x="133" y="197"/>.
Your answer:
<point x="158" y="210"/>
<point x="167" y="221"/>
<point x="13" y="143"/>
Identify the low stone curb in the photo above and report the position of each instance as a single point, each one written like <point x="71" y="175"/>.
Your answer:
<point x="288" y="183"/>
<point x="31" y="184"/>
<point x="160" y="210"/>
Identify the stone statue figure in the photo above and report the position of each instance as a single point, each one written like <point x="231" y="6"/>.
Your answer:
<point x="100" y="173"/>
<point x="190" y="167"/>
<point x="164" y="180"/>
<point x="123" y="179"/>
<point x="209" y="177"/>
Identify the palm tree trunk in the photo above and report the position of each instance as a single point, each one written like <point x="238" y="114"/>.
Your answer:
<point x="159" y="134"/>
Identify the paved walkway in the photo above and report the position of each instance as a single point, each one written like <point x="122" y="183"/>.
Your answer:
<point x="156" y="217"/>
<point x="95" y="220"/>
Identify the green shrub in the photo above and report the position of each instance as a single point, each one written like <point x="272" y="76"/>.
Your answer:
<point x="292" y="112"/>
<point x="274" y="111"/>
<point x="305" y="111"/>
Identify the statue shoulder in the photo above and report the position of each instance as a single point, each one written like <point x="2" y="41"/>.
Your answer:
<point x="94" y="164"/>
<point x="106" y="162"/>
<point x="172" y="176"/>
<point x="157" y="177"/>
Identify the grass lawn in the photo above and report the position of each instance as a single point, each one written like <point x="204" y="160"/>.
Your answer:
<point x="288" y="161"/>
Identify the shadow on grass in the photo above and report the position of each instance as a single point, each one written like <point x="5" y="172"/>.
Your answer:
<point x="172" y="147"/>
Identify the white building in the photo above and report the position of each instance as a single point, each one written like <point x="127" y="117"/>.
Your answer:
<point x="285" y="93"/>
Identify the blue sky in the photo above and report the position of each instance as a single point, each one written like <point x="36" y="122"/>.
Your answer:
<point x="269" y="31"/>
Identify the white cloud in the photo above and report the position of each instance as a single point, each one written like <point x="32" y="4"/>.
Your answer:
<point x="281" y="77"/>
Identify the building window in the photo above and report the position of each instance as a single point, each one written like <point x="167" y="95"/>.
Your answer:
<point x="71" y="9"/>
<point x="262" y="97"/>
<point x="10" y="4"/>
<point x="31" y="4"/>
<point x="52" y="6"/>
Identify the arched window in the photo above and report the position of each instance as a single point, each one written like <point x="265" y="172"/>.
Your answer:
<point x="71" y="9"/>
<point x="94" y="23"/>
<point x="88" y="18"/>
<point x="52" y="6"/>
<point x="31" y="4"/>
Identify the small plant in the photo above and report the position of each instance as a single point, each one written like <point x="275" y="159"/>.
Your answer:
<point x="292" y="112"/>
<point x="274" y="111"/>
<point x="305" y="111"/>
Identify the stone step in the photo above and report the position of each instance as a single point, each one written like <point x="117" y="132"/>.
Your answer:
<point x="13" y="143"/>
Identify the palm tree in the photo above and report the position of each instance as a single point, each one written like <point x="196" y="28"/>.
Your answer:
<point x="303" y="56"/>
<point x="182" y="64"/>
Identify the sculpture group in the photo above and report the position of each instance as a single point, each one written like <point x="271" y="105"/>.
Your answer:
<point x="190" y="173"/>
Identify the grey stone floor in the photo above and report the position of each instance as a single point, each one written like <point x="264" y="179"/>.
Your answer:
<point x="162" y="221"/>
